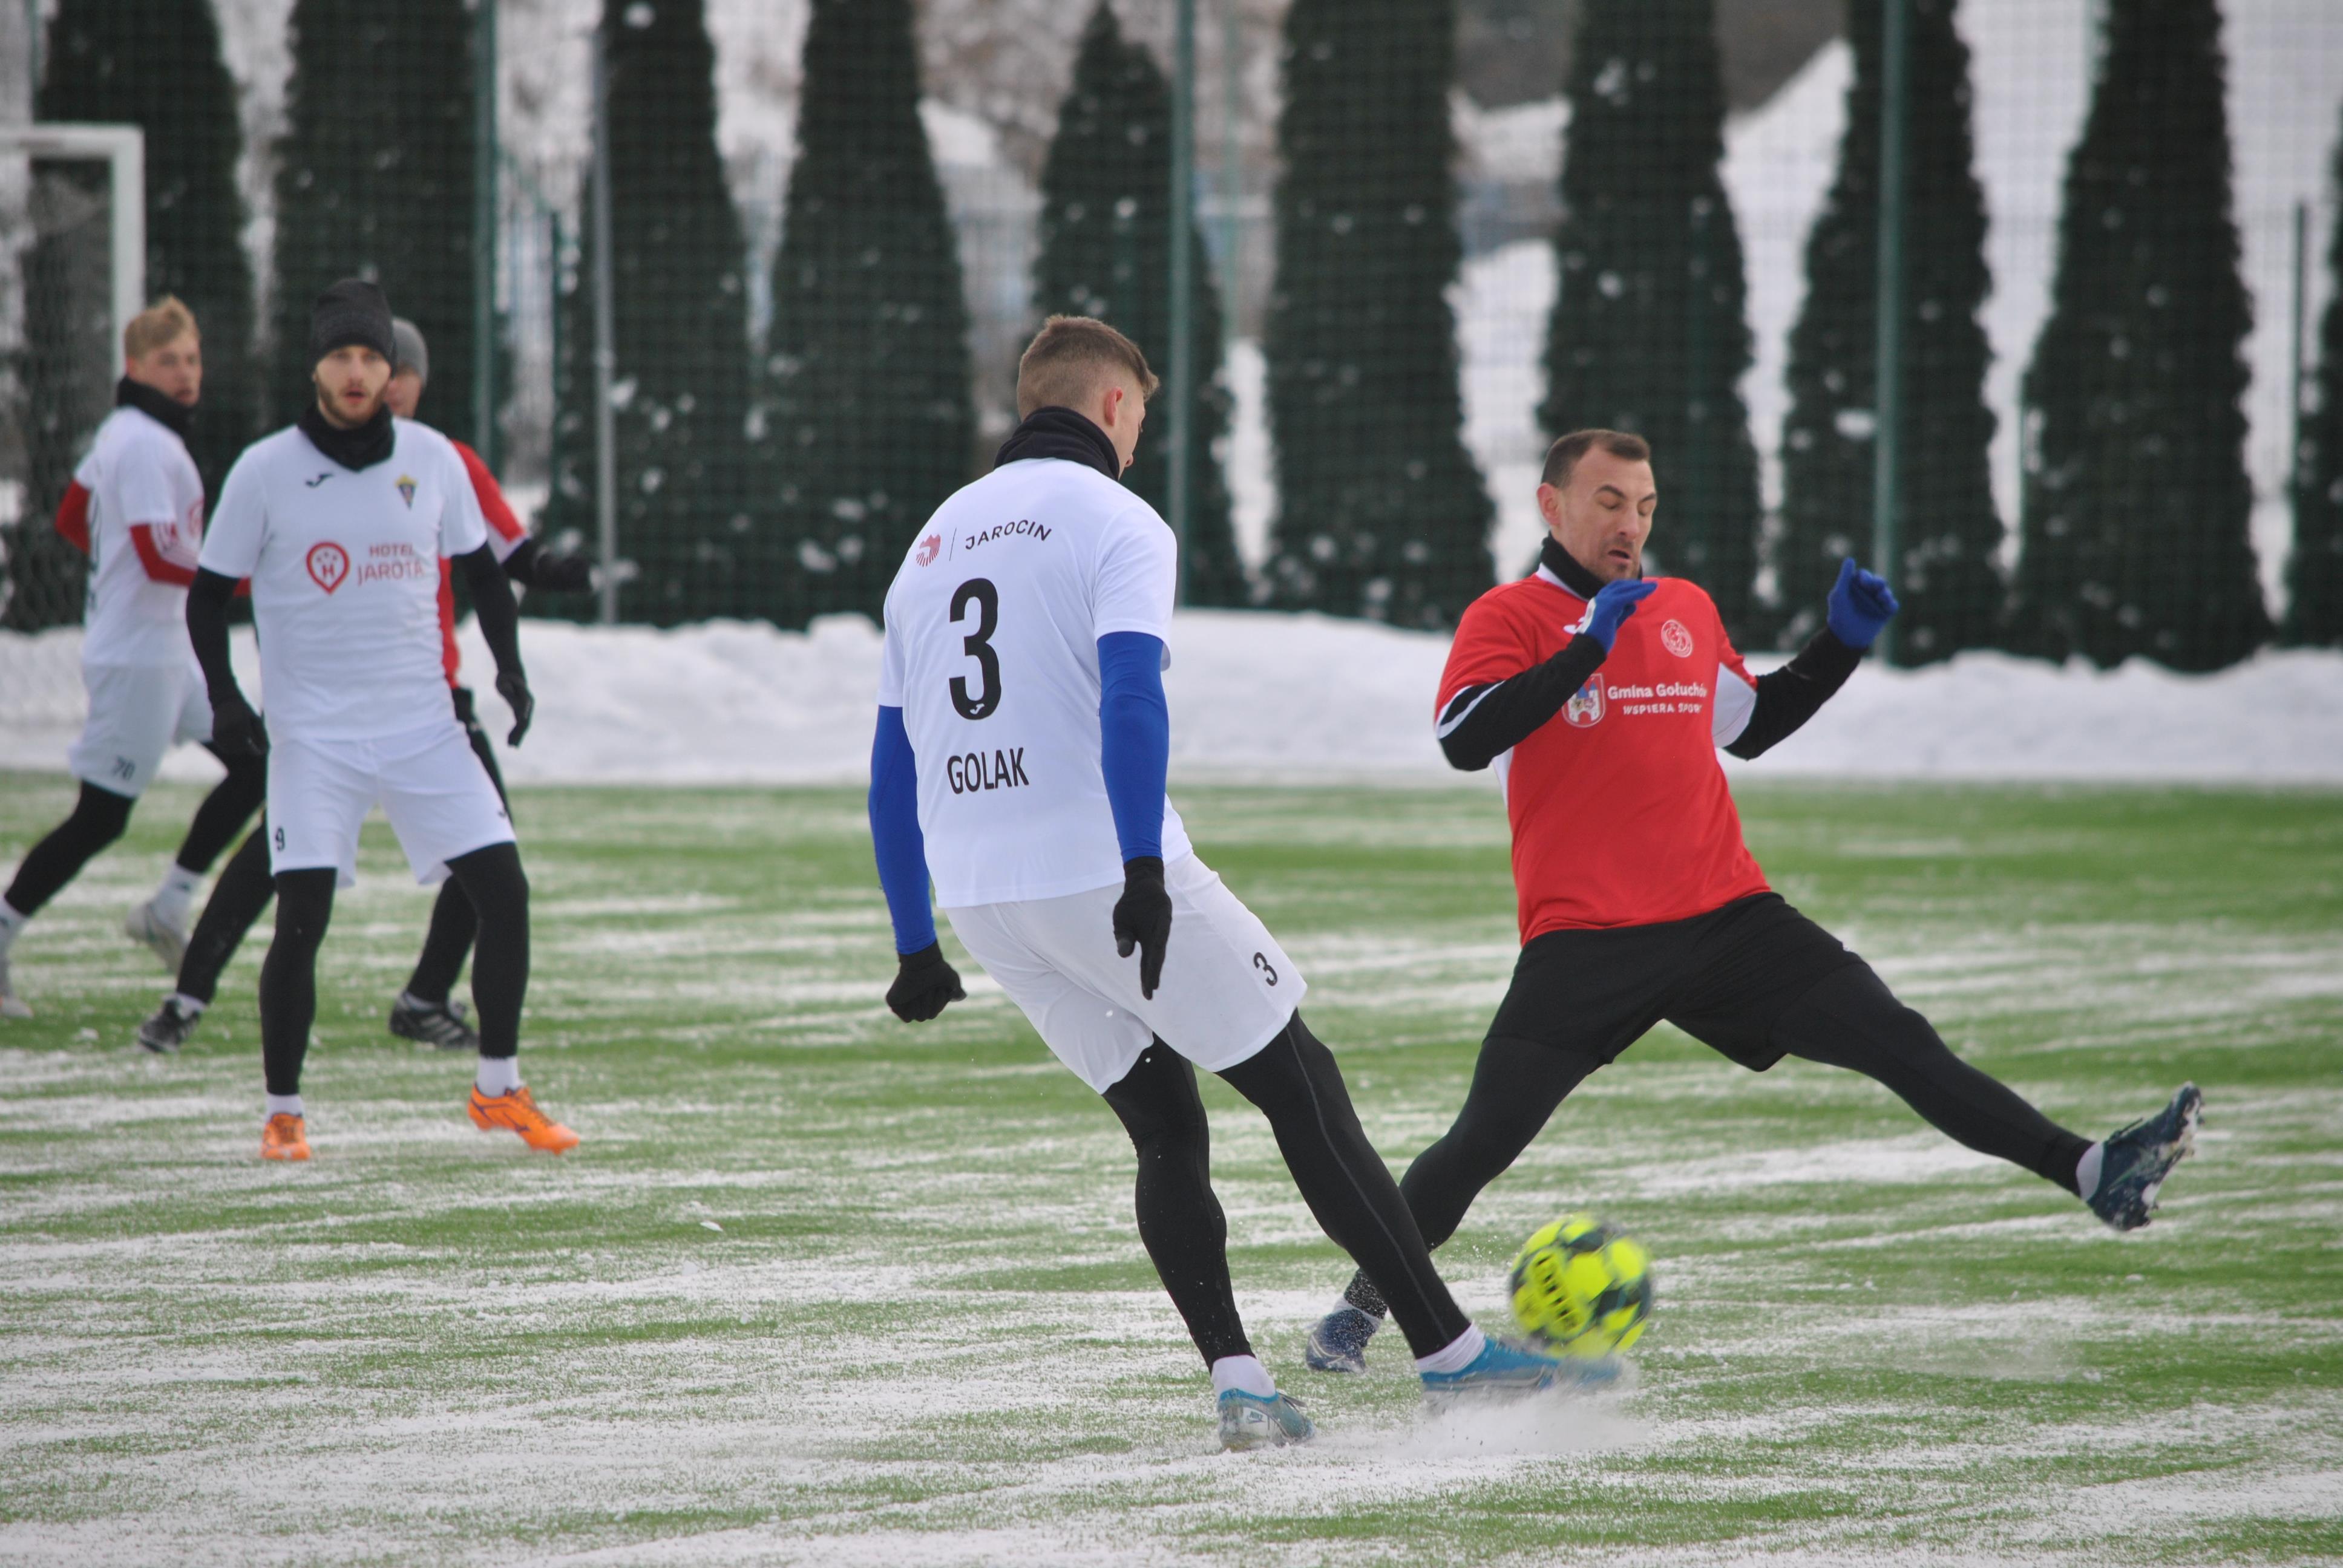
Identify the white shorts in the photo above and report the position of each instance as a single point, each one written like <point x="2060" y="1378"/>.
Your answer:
<point x="436" y="795"/>
<point x="1228" y="989"/>
<point x="136" y="713"/>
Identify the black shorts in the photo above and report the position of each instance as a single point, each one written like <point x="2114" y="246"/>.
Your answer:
<point x="1723" y="978"/>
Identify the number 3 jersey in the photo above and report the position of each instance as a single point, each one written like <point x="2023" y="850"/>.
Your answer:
<point x="992" y="653"/>
<point x="344" y="570"/>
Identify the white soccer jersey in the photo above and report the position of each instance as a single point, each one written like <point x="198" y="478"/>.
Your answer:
<point x="138" y="474"/>
<point x="344" y="570"/>
<point x="992" y="653"/>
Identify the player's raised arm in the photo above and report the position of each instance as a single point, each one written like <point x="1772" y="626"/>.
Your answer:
<point x="1861" y="603"/>
<point x="1485" y="714"/>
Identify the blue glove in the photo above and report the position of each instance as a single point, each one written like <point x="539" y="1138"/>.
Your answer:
<point x="1615" y="602"/>
<point x="1861" y="602"/>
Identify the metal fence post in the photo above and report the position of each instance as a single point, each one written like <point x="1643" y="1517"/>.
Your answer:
<point x="1887" y="433"/>
<point x="606" y="352"/>
<point x="484" y="230"/>
<point x="1181" y="384"/>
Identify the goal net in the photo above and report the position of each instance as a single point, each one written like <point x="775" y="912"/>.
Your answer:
<point x="72" y="246"/>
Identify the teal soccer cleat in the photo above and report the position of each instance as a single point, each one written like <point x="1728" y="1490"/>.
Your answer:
<point x="1504" y="1372"/>
<point x="1248" y="1420"/>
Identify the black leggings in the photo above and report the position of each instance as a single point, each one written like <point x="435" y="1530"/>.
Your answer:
<point x="100" y="816"/>
<point x="1295" y="1083"/>
<point x="1848" y="1019"/>
<point x="491" y="877"/>
<point x="242" y="892"/>
<point x="98" y="819"/>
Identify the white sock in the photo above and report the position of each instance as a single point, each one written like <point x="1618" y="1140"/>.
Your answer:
<point x="284" y="1105"/>
<point x="11" y="922"/>
<point x="186" y="1004"/>
<point x="1243" y="1373"/>
<point x="498" y="1074"/>
<point x="2086" y="1171"/>
<point x="1455" y="1356"/>
<point x="177" y="894"/>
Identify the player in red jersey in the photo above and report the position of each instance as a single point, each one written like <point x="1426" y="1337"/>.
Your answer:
<point x="424" y="1012"/>
<point x="1601" y="696"/>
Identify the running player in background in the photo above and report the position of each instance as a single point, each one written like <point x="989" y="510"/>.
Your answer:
<point x="135" y="508"/>
<point x="1601" y="696"/>
<point x="1021" y="750"/>
<point x="341" y="523"/>
<point x="424" y="1012"/>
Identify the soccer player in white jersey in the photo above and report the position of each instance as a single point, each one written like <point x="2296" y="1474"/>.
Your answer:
<point x="341" y="522"/>
<point x="424" y="1010"/>
<point x="1019" y="760"/>
<point x="135" y="508"/>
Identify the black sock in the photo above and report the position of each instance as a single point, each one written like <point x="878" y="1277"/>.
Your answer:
<point x="1180" y="1220"/>
<point x="498" y="889"/>
<point x="224" y="812"/>
<point x="238" y="899"/>
<point x="98" y="819"/>
<point x="1350" y="1191"/>
<point x="1516" y="1086"/>
<point x="445" y="945"/>
<point x="1852" y="1019"/>
<point x="288" y="977"/>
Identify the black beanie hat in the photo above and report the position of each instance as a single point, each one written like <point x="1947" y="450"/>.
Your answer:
<point x="353" y="311"/>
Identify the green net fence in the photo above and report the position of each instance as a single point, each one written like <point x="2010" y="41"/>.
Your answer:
<point x="1428" y="235"/>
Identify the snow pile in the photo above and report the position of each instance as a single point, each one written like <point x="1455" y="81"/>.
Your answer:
<point x="1286" y="699"/>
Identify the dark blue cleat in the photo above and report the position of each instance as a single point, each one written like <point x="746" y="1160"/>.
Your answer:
<point x="2134" y="1162"/>
<point x="1338" y="1342"/>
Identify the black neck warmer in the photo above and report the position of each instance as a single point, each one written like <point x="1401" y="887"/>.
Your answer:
<point x="360" y="448"/>
<point x="1563" y="564"/>
<point x="174" y="416"/>
<point x="1060" y="433"/>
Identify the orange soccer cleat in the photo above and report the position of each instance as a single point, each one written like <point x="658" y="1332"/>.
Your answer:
<point x="284" y="1137"/>
<point x="518" y="1114"/>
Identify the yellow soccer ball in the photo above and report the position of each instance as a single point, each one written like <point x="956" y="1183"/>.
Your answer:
<point x="1581" y="1287"/>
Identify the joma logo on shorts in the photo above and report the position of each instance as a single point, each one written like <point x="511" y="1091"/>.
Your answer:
<point x="976" y="771"/>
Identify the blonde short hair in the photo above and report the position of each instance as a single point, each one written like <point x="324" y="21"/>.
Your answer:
<point x="159" y="325"/>
<point x="1063" y="364"/>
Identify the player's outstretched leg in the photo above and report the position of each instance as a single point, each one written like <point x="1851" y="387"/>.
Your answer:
<point x="288" y="1004"/>
<point x="1186" y="1236"/>
<point x="1295" y="1083"/>
<point x="238" y="899"/>
<point x="98" y="819"/>
<point x="425" y="1013"/>
<point x="493" y="880"/>
<point x="1851" y="1019"/>
<point x="161" y="923"/>
<point x="1517" y="1084"/>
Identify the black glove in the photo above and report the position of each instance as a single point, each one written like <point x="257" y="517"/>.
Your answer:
<point x="513" y="687"/>
<point x="533" y="564"/>
<point x="924" y="983"/>
<point x="1143" y="919"/>
<point x="237" y="729"/>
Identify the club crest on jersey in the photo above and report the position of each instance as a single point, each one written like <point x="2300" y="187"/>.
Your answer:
<point x="329" y="566"/>
<point x="1675" y="638"/>
<point x="407" y="490"/>
<point x="928" y="548"/>
<point x="1584" y="709"/>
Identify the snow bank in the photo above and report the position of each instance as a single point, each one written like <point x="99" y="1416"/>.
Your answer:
<point x="1298" y="698"/>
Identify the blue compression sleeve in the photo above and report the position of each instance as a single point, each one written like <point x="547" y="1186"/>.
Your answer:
<point x="901" y="849"/>
<point x="1135" y="738"/>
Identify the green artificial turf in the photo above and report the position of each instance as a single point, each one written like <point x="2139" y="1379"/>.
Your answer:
<point x="822" y="1288"/>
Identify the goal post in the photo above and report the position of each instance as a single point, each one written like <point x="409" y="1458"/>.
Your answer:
<point x="123" y="149"/>
<point x="73" y="273"/>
